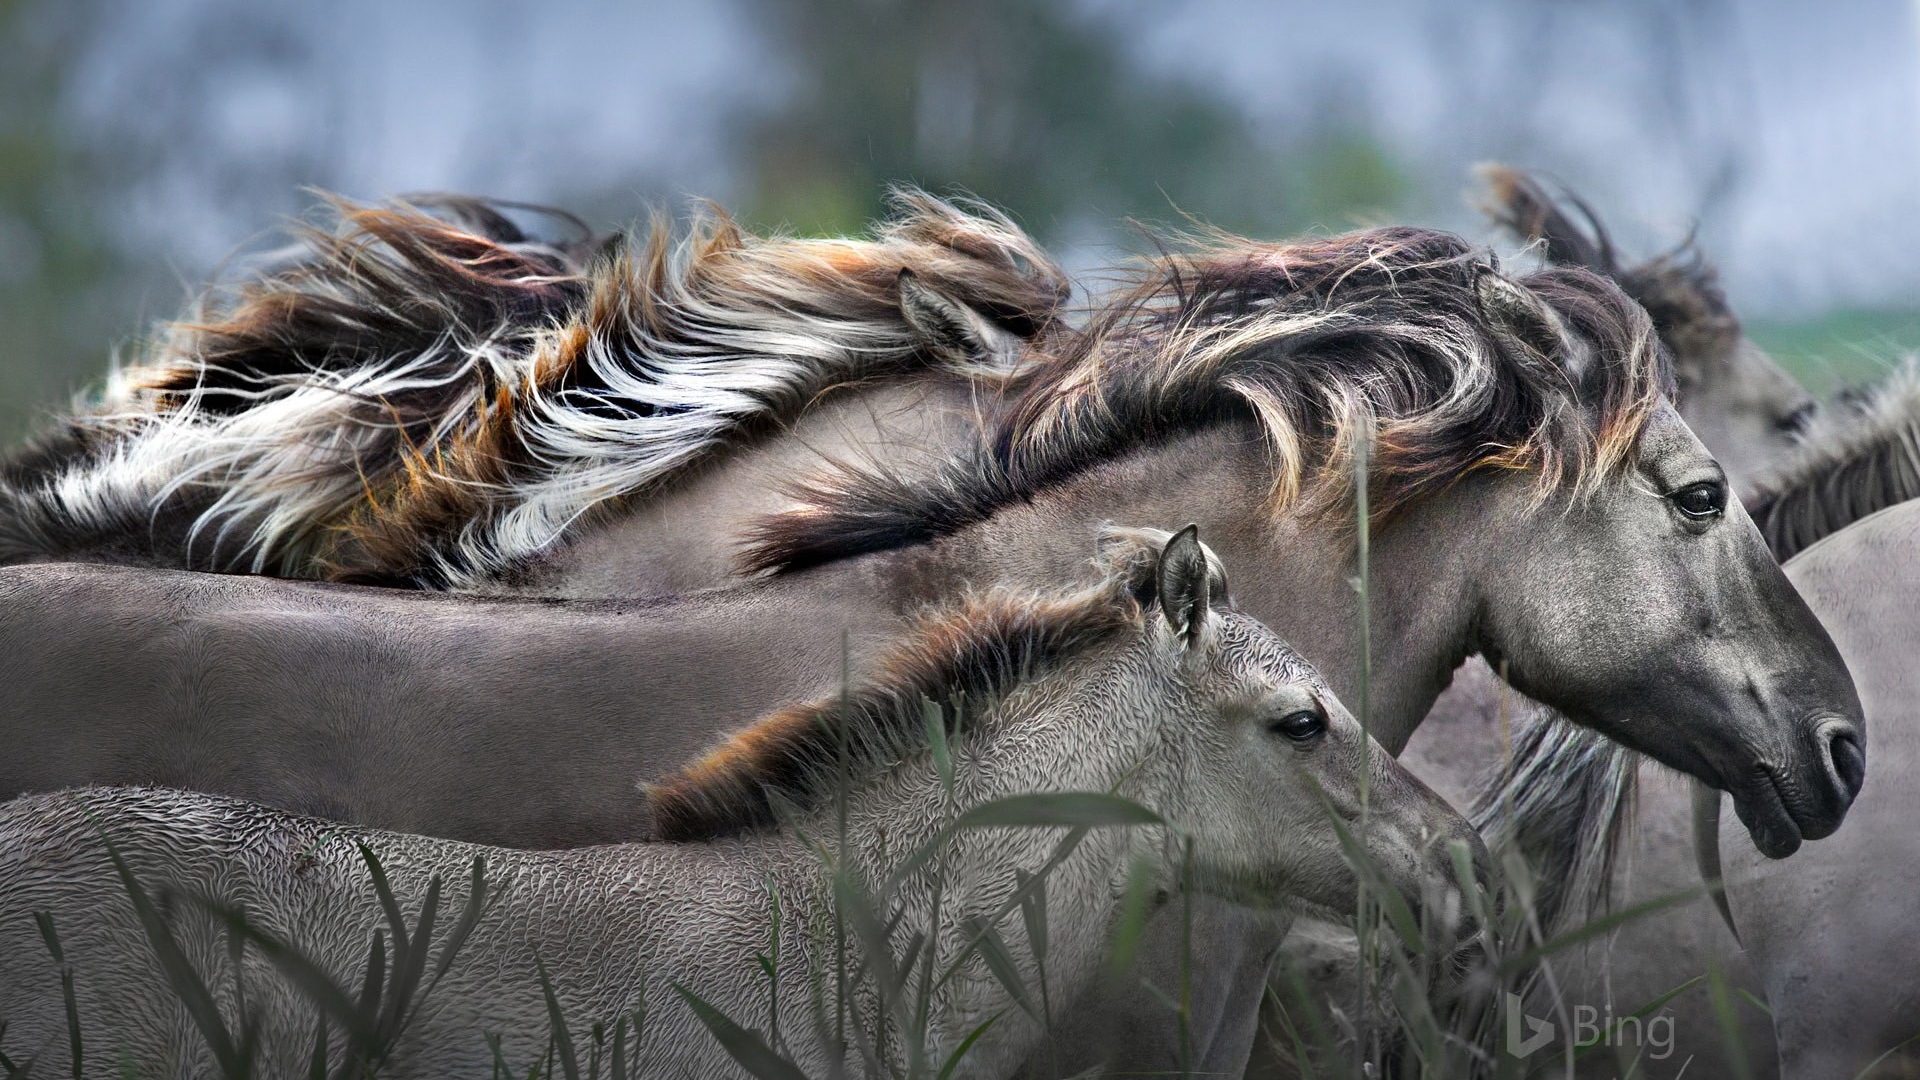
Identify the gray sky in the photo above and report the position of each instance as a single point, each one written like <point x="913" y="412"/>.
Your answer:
<point x="1790" y="132"/>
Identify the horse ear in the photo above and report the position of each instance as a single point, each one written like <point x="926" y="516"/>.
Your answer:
<point x="1186" y="585"/>
<point x="1518" y="203"/>
<point x="1520" y="321"/>
<point x="956" y="334"/>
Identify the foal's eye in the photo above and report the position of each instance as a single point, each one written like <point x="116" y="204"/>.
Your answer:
<point x="1304" y="726"/>
<point x="1706" y="499"/>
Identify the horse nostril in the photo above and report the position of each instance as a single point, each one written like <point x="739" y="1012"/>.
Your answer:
<point x="1849" y="759"/>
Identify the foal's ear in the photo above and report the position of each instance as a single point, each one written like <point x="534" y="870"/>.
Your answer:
<point x="957" y="335"/>
<point x="1185" y="585"/>
<point x="1520" y="322"/>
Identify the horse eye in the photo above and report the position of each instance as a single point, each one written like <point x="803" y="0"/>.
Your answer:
<point x="1706" y="499"/>
<point x="1302" y="727"/>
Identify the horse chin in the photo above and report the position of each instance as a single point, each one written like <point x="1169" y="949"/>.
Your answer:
<point x="1768" y="821"/>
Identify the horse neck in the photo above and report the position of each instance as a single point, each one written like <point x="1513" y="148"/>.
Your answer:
<point x="1021" y="749"/>
<point x="1294" y="573"/>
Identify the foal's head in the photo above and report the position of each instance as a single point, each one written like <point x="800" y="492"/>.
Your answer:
<point x="1150" y="680"/>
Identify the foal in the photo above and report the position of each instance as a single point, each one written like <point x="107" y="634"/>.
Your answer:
<point x="1144" y="686"/>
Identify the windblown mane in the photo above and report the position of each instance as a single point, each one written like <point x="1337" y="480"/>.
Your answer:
<point x="1323" y="343"/>
<point x="267" y="410"/>
<point x="1858" y="462"/>
<point x="1563" y="801"/>
<point x="435" y="400"/>
<point x="1680" y="290"/>
<point x="961" y="660"/>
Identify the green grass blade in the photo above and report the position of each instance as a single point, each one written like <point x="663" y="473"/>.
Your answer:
<point x="1131" y="926"/>
<point x="1863" y="1074"/>
<point x="562" y="1038"/>
<point x="469" y="918"/>
<point x="966" y="1044"/>
<point x="1525" y="961"/>
<point x="1087" y="809"/>
<point x="936" y="721"/>
<point x="410" y="968"/>
<point x="746" y="1048"/>
<point x="375" y="979"/>
<point x="44" y="919"/>
<point x="313" y="981"/>
<point x="993" y="949"/>
<point x="383" y="889"/>
<point x="1606" y="1037"/>
<point x="181" y="977"/>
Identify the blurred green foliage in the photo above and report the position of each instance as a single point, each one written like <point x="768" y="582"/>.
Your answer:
<point x="1840" y="349"/>
<point x="59" y="307"/>
<point x="1037" y="107"/>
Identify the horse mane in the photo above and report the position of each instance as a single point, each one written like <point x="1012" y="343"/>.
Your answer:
<point x="959" y="660"/>
<point x="1680" y="289"/>
<point x="1856" y="463"/>
<point x="1563" y="801"/>
<point x="1375" y="336"/>
<point x="425" y="395"/>
<point x="267" y="408"/>
<point x="1564" y="798"/>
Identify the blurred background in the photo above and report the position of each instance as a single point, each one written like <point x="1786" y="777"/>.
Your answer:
<point x="143" y="144"/>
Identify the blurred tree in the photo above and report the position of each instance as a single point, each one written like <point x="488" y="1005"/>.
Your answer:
<point x="1036" y="106"/>
<point x="93" y="191"/>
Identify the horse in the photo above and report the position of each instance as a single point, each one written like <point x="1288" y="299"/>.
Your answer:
<point x="1146" y="685"/>
<point x="1851" y="465"/>
<point x="1531" y="492"/>
<point x="1752" y="416"/>
<point x="1829" y="936"/>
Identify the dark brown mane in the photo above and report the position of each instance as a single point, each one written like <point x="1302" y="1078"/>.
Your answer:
<point x="1320" y="343"/>
<point x="382" y="282"/>
<point x="961" y="660"/>
<point x="1858" y="462"/>
<point x="1680" y="290"/>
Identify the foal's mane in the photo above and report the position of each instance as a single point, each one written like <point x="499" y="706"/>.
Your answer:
<point x="1321" y="344"/>
<point x="424" y="393"/>
<point x="961" y="659"/>
<point x="1855" y="461"/>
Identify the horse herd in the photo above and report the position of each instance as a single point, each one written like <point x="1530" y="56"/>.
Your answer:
<point x="447" y="528"/>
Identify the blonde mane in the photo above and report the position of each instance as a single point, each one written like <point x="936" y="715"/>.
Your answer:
<point x="1383" y="336"/>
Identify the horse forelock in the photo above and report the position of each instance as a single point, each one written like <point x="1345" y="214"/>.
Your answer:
<point x="1375" y="337"/>
<point x="1854" y="461"/>
<point x="1680" y="289"/>
<point x="961" y="659"/>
